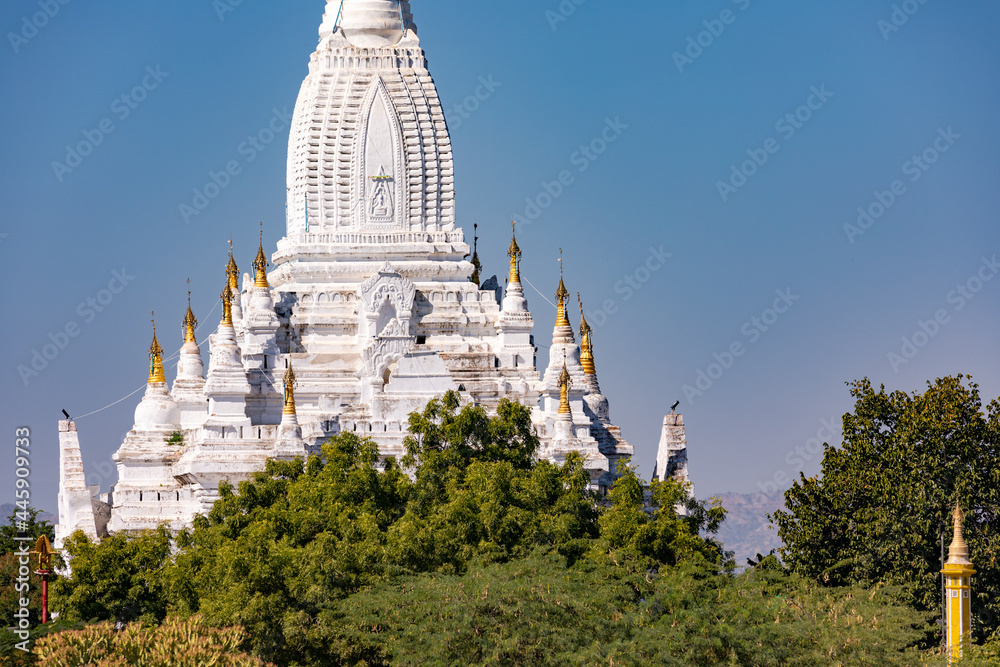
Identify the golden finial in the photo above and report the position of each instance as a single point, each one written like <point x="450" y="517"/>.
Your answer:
<point x="43" y="549"/>
<point x="564" y="383"/>
<point x="562" y="294"/>
<point x="290" y="385"/>
<point x="958" y="552"/>
<point x="475" y="255"/>
<point x="261" y="263"/>
<point x="232" y="271"/>
<point x="227" y="306"/>
<point x="515" y="254"/>
<point x="156" y="374"/>
<point x="586" y="342"/>
<point x="190" y="323"/>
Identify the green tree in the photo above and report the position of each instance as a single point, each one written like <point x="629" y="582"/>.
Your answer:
<point x="34" y="529"/>
<point x="119" y="579"/>
<point x="661" y="535"/>
<point x="609" y="609"/>
<point x="10" y="566"/>
<point x="877" y="512"/>
<point x="287" y="554"/>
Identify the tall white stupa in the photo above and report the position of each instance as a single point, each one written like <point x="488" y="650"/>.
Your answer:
<point x="369" y="309"/>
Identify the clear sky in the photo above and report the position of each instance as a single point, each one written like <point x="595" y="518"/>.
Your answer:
<point x="892" y="111"/>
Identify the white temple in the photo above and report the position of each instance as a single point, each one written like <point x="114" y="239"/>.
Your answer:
<point x="371" y="308"/>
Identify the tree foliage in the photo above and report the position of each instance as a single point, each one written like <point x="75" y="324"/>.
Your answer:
<point x="175" y="643"/>
<point x="475" y="553"/>
<point x="609" y="609"/>
<point x="876" y="514"/>
<point x="33" y="528"/>
<point x="282" y="554"/>
<point x="117" y="580"/>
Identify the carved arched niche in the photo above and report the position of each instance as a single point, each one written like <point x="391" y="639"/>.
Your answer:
<point x="386" y="296"/>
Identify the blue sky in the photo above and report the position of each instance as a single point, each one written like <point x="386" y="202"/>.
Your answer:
<point x="881" y="94"/>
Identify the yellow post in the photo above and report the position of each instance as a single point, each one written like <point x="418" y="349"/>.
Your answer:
<point x="958" y="573"/>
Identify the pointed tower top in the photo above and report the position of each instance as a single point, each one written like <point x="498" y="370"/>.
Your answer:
<point x="156" y="374"/>
<point x="475" y="255"/>
<point x="227" y="306"/>
<point x="584" y="325"/>
<point x="515" y="255"/>
<point x="372" y="23"/>
<point x="586" y="342"/>
<point x="260" y="264"/>
<point x="232" y="271"/>
<point x="562" y="295"/>
<point x="190" y="323"/>
<point x="564" y="383"/>
<point x="290" y="385"/>
<point x="958" y="552"/>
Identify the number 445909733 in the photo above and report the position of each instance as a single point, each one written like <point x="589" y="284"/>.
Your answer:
<point x="22" y="444"/>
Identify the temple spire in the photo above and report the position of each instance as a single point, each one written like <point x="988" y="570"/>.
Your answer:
<point x="562" y="294"/>
<point x="290" y="385"/>
<point x="260" y="264"/>
<point x="586" y="342"/>
<point x="958" y="552"/>
<point x="156" y="374"/>
<point x="369" y="24"/>
<point x="515" y="255"/>
<point x="190" y="323"/>
<point x="958" y="572"/>
<point x="232" y="271"/>
<point x="475" y="255"/>
<point x="227" y="306"/>
<point x="564" y="383"/>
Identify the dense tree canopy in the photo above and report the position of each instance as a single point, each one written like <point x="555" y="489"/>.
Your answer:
<point x="876" y="514"/>
<point x="10" y="565"/>
<point x="470" y="551"/>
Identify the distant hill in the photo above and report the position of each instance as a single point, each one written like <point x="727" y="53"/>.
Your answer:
<point x="7" y="508"/>
<point x="747" y="530"/>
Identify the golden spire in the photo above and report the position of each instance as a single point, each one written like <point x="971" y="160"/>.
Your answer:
<point x="562" y="294"/>
<point x="189" y="322"/>
<point x="261" y="263"/>
<point x="475" y="256"/>
<point x="515" y="254"/>
<point x="233" y="271"/>
<point x="958" y="552"/>
<point x="290" y="385"/>
<point x="156" y="374"/>
<point x="227" y="306"/>
<point x="564" y="382"/>
<point x="586" y="342"/>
